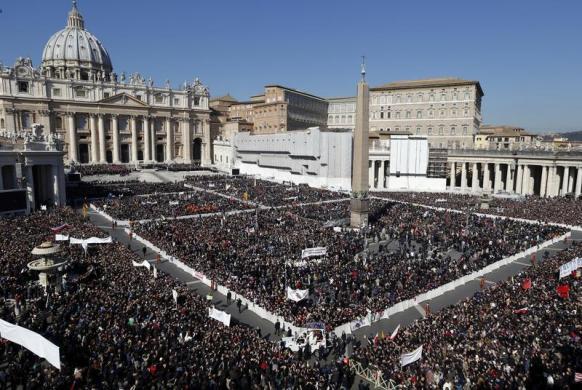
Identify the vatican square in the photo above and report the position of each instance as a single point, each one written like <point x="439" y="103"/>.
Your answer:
<point x="290" y="195"/>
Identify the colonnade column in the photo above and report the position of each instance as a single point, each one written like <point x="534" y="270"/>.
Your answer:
<point x="551" y="181"/>
<point x="146" y="139"/>
<point x="133" y="127"/>
<point x="579" y="182"/>
<point x="115" y="138"/>
<point x="571" y="180"/>
<point x="56" y="185"/>
<point x="384" y="174"/>
<point x="565" y="180"/>
<point x="371" y="174"/>
<point x="186" y="140"/>
<point x="453" y="175"/>
<point x="94" y="140"/>
<point x="29" y="187"/>
<point x="464" y="175"/>
<point x="486" y="177"/>
<point x="102" y="149"/>
<point x="475" y="178"/>
<point x="169" y="143"/>
<point x="509" y="178"/>
<point x="544" y="182"/>
<point x="72" y="138"/>
<point x="519" y="184"/>
<point x="497" y="182"/>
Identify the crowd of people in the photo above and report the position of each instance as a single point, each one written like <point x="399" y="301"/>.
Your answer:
<point x="261" y="191"/>
<point x="118" y="326"/>
<point x="259" y="254"/>
<point x="103" y="169"/>
<point x="557" y="210"/>
<point x="168" y="205"/>
<point x="103" y="189"/>
<point x="518" y="334"/>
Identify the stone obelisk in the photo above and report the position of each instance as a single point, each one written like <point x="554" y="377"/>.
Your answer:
<point x="360" y="204"/>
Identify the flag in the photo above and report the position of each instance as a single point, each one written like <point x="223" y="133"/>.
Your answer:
<point x="58" y="229"/>
<point x="411" y="357"/>
<point x="296" y="295"/>
<point x="155" y="273"/>
<point x="526" y="284"/>
<point x="523" y="310"/>
<point x="175" y="295"/>
<point x="563" y="291"/>
<point x="578" y="377"/>
<point x="220" y="316"/>
<point x="393" y="335"/>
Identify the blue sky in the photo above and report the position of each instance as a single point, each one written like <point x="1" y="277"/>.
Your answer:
<point x="526" y="54"/>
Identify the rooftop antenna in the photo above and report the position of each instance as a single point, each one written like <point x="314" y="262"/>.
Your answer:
<point x="363" y="71"/>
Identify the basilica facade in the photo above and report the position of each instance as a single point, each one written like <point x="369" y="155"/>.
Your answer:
<point x="103" y="117"/>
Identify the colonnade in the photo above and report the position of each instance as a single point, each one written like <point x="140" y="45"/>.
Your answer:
<point x="144" y="136"/>
<point x="546" y="179"/>
<point x="378" y="173"/>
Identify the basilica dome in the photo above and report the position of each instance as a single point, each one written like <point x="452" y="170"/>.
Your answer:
<point x="74" y="52"/>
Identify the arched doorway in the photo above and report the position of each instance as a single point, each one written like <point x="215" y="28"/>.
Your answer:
<point x="197" y="149"/>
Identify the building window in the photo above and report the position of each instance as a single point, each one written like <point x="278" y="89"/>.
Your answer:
<point x="398" y="115"/>
<point x="56" y="92"/>
<point x="138" y="97"/>
<point x="409" y="99"/>
<point x="159" y="99"/>
<point x="106" y="95"/>
<point x="466" y="112"/>
<point x="80" y="92"/>
<point x="431" y="113"/>
<point x="417" y="130"/>
<point x="23" y="86"/>
<point x="419" y="114"/>
<point x="454" y="112"/>
<point x="196" y="101"/>
<point x="431" y="97"/>
<point x="465" y="130"/>
<point x="441" y="130"/>
<point x="430" y="131"/>
<point x="467" y="96"/>
<point x="122" y="124"/>
<point x="453" y="131"/>
<point x="81" y="121"/>
<point x="176" y="101"/>
<point x="350" y="119"/>
<point x="2" y="123"/>
<point x="381" y="115"/>
<point x="442" y="113"/>
<point x="59" y="122"/>
<point x="25" y="118"/>
<point x="408" y="114"/>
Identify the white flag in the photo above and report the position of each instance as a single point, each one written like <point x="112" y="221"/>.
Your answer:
<point x="144" y="263"/>
<point x="296" y="295"/>
<point x="43" y="207"/>
<point x="175" y="295"/>
<point x="61" y="237"/>
<point x="220" y="316"/>
<point x="317" y="251"/>
<point x="32" y="341"/>
<point x="393" y="335"/>
<point x="155" y="273"/>
<point x="411" y="357"/>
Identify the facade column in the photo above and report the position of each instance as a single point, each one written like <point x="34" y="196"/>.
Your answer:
<point x="102" y="147"/>
<point x="551" y="182"/>
<point x="453" y="175"/>
<point x="115" y="138"/>
<point x="133" y="127"/>
<point x="578" y="182"/>
<point x="571" y="180"/>
<point x="169" y="142"/>
<point x="544" y="181"/>
<point x="94" y="140"/>
<point x="475" y="178"/>
<point x="526" y="175"/>
<point x="486" y="178"/>
<point x="186" y="140"/>
<point x="384" y="175"/>
<point x="207" y="156"/>
<point x="147" y="144"/>
<point x="565" y="181"/>
<point x="30" y="187"/>
<point x="464" y="175"/>
<point x="154" y="138"/>
<point x="72" y="138"/>
<point x="371" y="174"/>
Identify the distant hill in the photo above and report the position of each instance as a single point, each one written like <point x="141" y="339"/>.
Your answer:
<point x="572" y="136"/>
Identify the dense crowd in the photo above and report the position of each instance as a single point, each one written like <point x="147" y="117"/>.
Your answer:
<point x="119" y="327"/>
<point x="102" y="189"/>
<point x="168" y="205"/>
<point x="259" y="254"/>
<point x="103" y="169"/>
<point x="510" y="336"/>
<point x="261" y="191"/>
<point x="557" y="210"/>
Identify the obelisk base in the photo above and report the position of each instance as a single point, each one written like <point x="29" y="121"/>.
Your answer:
<point x="359" y="215"/>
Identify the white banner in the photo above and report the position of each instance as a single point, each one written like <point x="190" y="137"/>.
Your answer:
<point x="61" y="237"/>
<point x="411" y="357"/>
<point x="174" y="203"/>
<point x="32" y="341"/>
<point x="220" y="316"/>
<point x="317" y="251"/>
<point x="144" y="263"/>
<point x="357" y="324"/>
<point x="303" y="263"/>
<point x="296" y="295"/>
<point x="93" y="240"/>
<point x="569" y="267"/>
<point x="175" y="295"/>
